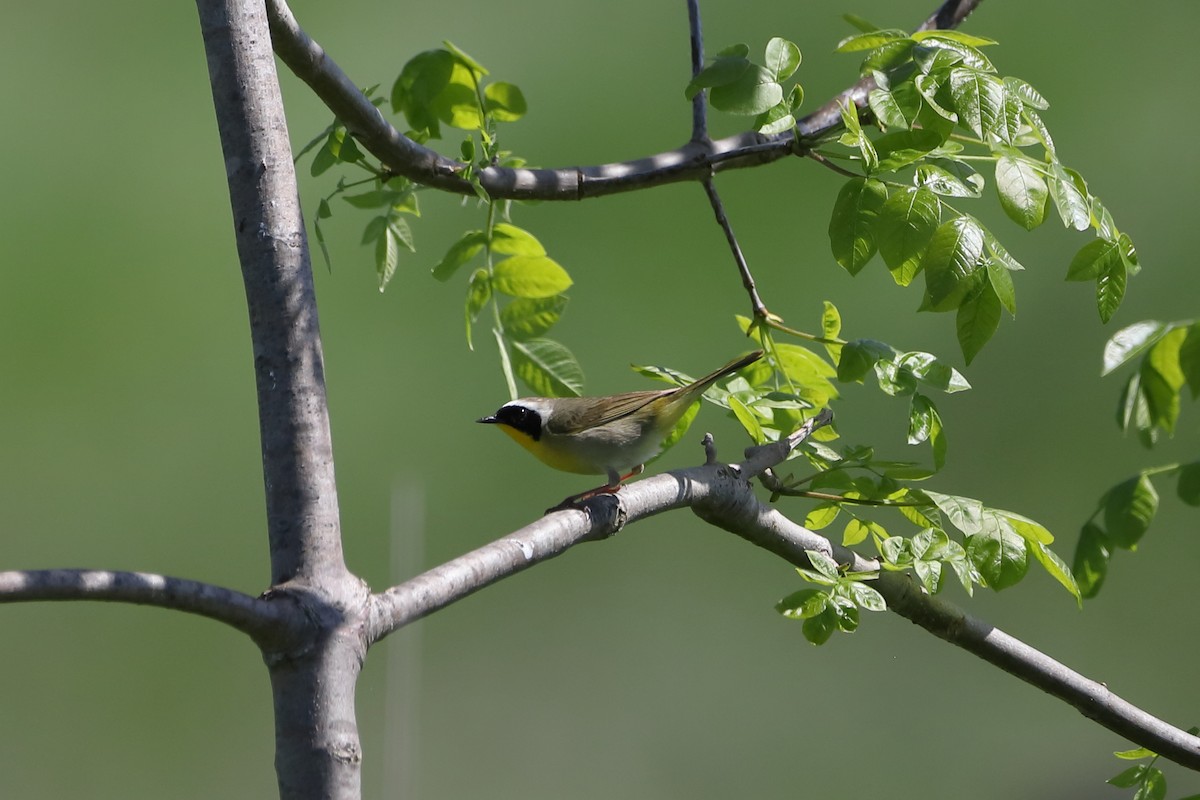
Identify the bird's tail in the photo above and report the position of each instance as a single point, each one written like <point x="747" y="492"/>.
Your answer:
<point x="699" y="386"/>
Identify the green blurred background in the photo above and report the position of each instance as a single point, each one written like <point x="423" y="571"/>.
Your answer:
<point x="648" y="666"/>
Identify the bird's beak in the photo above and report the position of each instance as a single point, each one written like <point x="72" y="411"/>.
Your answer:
<point x="487" y="420"/>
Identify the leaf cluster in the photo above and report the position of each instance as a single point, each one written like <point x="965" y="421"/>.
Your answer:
<point x="440" y="87"/>
<point x="1147" y="781"/>
<point x="743" y="87"/>
<point x="836" y="608"/>
<point x="1168" y="357"/>
<point x="941" y="111"/>
<point x="525" y="288"/>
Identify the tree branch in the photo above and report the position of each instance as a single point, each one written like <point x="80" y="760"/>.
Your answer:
<point x="756" y="303"/>
<point x="700" y="101"/>
<point x="251" y="615"/>
<point x="696" y="160"/>
<point x="722" y="496"/>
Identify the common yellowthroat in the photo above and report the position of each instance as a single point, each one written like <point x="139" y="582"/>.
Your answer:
<point x="613" y="436"/>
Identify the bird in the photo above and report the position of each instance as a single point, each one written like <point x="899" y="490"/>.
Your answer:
<point x="614" y="435"/>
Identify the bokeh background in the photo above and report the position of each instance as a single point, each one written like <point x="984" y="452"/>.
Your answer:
<point x="651" y="665"/>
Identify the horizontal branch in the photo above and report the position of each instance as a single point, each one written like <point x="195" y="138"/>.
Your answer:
<point x="696" y="160"/>
<point x="252" y="615"/>
<point x="721" y="495"/>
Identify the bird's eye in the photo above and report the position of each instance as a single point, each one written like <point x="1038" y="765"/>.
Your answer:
<point x="523" y="419"/>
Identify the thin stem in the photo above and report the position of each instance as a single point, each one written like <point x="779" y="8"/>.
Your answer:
<point x="837" y="498"/>
<point x="714" y="199"/>
<point x="825" y="162"/>
<point x="699" y="102"/>
<point x="775" y="324"/>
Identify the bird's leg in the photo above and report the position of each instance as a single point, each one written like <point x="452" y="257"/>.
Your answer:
<point x="612" y="487"/>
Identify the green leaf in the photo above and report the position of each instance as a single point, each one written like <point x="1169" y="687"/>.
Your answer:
<point x="1092" y="553"/>
<point x="867" y="597"/>
<point x="1128" y="778"/>
<point x="864" y="25"/>
<point x="509" y="240"/>
<point x="821" y="516"/>
<point x="901" y="148"/>
<point x="751" y="93"/>
<point x="1189" y="359"/>
<point x="1093" y="260"/>
<point x="748" y="419"/>
<point x="1188" y="487"/>
<point x="953" y="36"/>
<point x="1163" y="358"/>
<point x="1154" y="786"/>
<point x="965" y="513"/>
<point x="851" y="230"/>
<point x="775" y="120"/>
<point x="997" y="552"/>
<point x="819" y="628"/>
<point x="926" y="368"/>
<point x="1134" y="754"/>
<point x="855" y="532"/>
<point x="457" y="104"/>
<point x="978" y="100"/>
<point x="396" y="234"/>
<point x="527" y="318"/>
<point x="803" y="604"/>
<point x="831" y="328"/>
<point x="504" y="102"/>
<point x="1130" y="341"/>
<point x="1129" y="508"/>
<point x="892" y="109"/>
<point x="1072" y="204"/>
<point x="920" y="419"/>
<point x="462" y="251"/>
<point x="1057" y="568"/>
<point x="782" y="58"/>
<point x="823" y="564"/>
<point x="1110" y="290"/>
<point x="530" y="276"/>
<point x="869" y="40"/>
<point x="952" y="263"/>
<point x="1134" y="409"/>
<point x="859" y="356"/>
<point x="1029" y="96"/>
<point x="950" y="178"/>
<point x="479" y="292"/>
<point x="977" y="320"/>
<point x="420" y="82"/>
<point x="1023" y="191"/>
<point x="1162" y="401"/>
<point x="724" y="69"/>
<point x="548" y="368"/>
<point x="906" y="223"/>
<point x="1001" y="281"/>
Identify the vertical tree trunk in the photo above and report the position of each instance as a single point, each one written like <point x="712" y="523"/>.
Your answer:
<point x="313" y="676"/>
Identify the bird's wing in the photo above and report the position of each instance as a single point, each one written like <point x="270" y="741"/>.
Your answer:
<point x="578" y="414"/>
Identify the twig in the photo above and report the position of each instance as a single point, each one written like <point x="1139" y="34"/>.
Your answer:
<point x="699" y="102"/>
<point x="714" y="199"/>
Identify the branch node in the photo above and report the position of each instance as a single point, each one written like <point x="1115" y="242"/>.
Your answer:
<point x="710" y="450"/>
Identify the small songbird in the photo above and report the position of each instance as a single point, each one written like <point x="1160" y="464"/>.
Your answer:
<point x="613" y="436"/>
